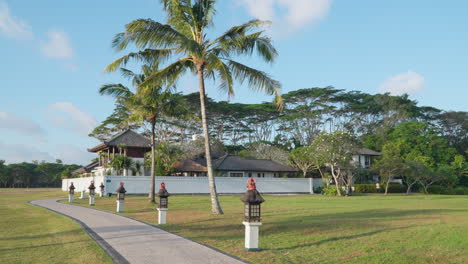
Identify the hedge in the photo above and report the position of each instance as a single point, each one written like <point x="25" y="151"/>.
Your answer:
<point x="437" y="189"/>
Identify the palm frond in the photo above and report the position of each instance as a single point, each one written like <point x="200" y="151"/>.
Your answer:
<point x="148" y="56"/>
<point x="116" y="90"/>
<point x="168" y="76"/>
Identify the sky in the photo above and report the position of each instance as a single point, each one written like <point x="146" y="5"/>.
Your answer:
<point x="53" y="53"/>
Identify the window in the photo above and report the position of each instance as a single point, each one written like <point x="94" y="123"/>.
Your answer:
<point x="236" y="174"/>
<point x="367" y="161"/>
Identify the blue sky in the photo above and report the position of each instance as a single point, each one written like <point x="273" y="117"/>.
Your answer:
<point x="53" y="53"/>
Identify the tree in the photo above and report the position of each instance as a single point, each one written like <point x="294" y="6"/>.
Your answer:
<point x="413" y="171"/>
<point x="336" y="151"/>
<point x="148" y="104"/>
<point x="390" y="165"/>
<point x="120" y="163"/>
<point x="184" y="39"/>
<point x="166" y="155"/>
<point x="302" y="158"/>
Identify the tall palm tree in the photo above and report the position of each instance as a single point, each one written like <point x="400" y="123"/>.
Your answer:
<point x="183" y="41"/>
<point x="148" y="104"/>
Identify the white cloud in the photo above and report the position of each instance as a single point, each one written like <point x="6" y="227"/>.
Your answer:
<point x="11" y="26"/>
<point x="15" y="153"/>
<point x="404" y="83"/>
<point x="288" y="15"/>
<point x="57" y="46"/>
<point x="28" y="127"/>
<point x="71" y="154"/>
<point x="67" y="115"/>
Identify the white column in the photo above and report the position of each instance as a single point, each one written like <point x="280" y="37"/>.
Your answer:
<point x="162" y="216"/>
<point x="70" y="198"/>
<point x="120" y="206"/>
<point x="83" y="192"/>
<point x="251" y="235"/>
<point x="311" y="185"/>
<point x="91" y="200"/>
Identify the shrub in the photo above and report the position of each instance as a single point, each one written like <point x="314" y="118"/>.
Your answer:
<point x="435" y="189"/>
<point x="395" y="188"/>
<point x="365" y="188"/>
<point x="438" y="189"/>
<point x="330" y="191"/>
<point x="460" y="190"/>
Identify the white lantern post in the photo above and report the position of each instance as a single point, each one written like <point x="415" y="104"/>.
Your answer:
<point x="163" y="203"/>
<point x="252" y="215"/>
<point x="120" y="198"/>
<point x="92" y="192"/>
<point x="71" y="193"/>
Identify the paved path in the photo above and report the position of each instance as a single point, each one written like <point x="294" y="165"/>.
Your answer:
<point x="130" y="241"/>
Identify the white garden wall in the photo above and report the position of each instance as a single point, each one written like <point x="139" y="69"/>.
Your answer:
<point x="195" y="185"/>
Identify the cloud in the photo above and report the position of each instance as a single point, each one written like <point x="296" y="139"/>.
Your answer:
<point x="67" y="115"/>
<point x="15" y="153"/>
<point x="404" y="83"/>
<point x="13" y="122"/>
<point x="288" y="15"/>
<point x="71" y="154"/>
<point x="57" y="46"/>
<point x="11" y="26"/>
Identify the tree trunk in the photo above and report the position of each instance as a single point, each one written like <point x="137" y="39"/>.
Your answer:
<point x="215" y="206"/>
<point x="386" y="186"/>
<point x="153" y="176"/>
<point x="335" y="177"/>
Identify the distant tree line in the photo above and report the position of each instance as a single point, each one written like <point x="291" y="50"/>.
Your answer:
<point x="35" y="174"/>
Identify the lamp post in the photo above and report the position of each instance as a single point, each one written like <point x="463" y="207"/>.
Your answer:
<point x="71" y="193"/>
<point x="92" y="192"/>
<point x="163" y="202"/>
<point x="120" y="197"/>
<point x="101" y="187"/>
<point x="83" y="193"/>
<point x="252" y="215"/>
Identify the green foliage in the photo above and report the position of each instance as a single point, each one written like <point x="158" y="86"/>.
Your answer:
<point x="166" y="155"/>
<point x="439" y="189"/>
<point x="365" y="188"/>
<point x="329" y="191"/>
<point x="121" y="162"/>
<point x="395" y="188"/>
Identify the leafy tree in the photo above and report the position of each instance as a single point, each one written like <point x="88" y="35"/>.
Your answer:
<point x="184" y="37"/>
<point x="147" y="104"/>
<point x="453" y="126"/>
<point x="166" y="155"/>
<point x="303" y="159"/>
<point x="391" y="164"/>
<point x="336" y="151"/>
<point x="262" y="150"/>
<point x="120" y="163"/>
<point x="414" y="171"/>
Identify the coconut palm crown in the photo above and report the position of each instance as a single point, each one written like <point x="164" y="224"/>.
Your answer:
<point x="182" y="45"/>
<point x="149" y="103"/>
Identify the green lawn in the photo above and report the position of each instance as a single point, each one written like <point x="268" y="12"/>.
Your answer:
<point x="29" y="234"/>
<point x="318" y="229"/>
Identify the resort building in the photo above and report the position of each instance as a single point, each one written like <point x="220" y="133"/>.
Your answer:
<point x="233" y="166"/>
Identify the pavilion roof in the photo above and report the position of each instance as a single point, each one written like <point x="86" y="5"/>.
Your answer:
<point x="128" y="137"/>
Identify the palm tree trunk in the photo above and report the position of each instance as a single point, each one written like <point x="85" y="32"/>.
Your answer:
<point x="153" y="176"/>
<point x="215" y="206"/>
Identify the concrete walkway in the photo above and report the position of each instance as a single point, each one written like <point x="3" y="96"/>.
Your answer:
<point x="130" y="241"/>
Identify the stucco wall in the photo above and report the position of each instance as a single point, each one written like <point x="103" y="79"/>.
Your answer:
<point x="198" y="185"/>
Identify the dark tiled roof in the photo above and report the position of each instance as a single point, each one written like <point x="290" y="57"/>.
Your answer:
<point x="232" y="163"/>
<point x="86" y="169"/>
<point x="369" y="152"/>
<point x="128" y="137"/>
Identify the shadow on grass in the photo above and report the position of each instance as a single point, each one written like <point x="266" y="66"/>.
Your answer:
<point x="333" y="239"/>
<point x="40" y="235"/>
<point x="44" y="245"/>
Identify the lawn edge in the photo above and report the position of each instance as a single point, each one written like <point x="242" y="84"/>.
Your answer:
<point x="158" y="227"/>
<point x="108" y="249"/>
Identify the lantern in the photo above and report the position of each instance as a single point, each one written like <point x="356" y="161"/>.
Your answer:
<point x="92" y="188"/>
<point x="252" y="215"/>
<point x="71" y="189"/>
<point x="162" y="204"/>
<point x="120" y="197"/>
<point x="252" y="201"/>
<point x="101" y="187"/>
<point x="121" y="192"/>
<point x="163" y="196"/>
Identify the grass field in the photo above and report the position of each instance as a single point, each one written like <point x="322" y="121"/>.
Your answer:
<point x="29" y="234"/>
<point x="317" y="229"/>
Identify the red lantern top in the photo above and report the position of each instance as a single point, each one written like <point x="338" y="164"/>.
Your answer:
<point x="251" y="184"/>
<point x="163" y="186"/>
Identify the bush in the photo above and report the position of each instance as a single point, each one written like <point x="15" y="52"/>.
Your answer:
<point x="365" y="188"/>
<point x="330" y="191"/>
<point x="438" y="189"/>
<point x="395" y="188"/>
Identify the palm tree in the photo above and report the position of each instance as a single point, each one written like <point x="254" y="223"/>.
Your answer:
<point x="148" y="104"/>
<point x="184" y="41"/>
